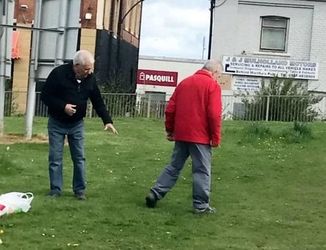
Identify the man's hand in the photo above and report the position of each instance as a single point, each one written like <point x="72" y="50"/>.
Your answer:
<point x="215" y="145"/>
<point x="169" y="136"/>
<point x="111" y="127"/>
<point x="70" y="109"/>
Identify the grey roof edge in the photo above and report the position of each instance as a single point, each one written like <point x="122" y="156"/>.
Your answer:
<point x="171" y="59"/>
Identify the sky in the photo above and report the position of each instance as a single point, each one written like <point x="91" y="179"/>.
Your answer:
<point x="175" y="28"/>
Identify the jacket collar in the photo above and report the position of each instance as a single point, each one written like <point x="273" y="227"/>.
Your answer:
<point x="204" y="72"/>
<point x="71" y="73"/>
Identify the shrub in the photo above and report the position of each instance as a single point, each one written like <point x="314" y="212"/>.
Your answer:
<point x="281" y="100"/>
<point x="299" y="132"/>
<point x="256" y="131"/>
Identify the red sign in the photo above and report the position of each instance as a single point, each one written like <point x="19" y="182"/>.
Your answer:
<point x="156" y="77"/>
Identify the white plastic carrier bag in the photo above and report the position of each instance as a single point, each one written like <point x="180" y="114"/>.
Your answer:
<point x="15" y="202"/>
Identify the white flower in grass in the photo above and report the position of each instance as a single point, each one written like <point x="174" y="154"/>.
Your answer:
<point x="1" y="241"/>
<point x="7" y="148"/>
<point x="72" y="245"/>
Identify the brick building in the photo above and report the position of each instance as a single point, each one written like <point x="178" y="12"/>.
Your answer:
<point x="110" y="29"/>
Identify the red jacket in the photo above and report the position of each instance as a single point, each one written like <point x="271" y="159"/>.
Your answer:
<point x="194" y="111"/>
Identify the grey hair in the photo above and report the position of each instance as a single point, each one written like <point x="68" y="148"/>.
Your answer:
<point x="213" y="65"/>
<point x="83" y="57"/>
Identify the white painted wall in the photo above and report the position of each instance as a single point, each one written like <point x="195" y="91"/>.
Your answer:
<point x="237" y="29"/>
<point x="318" y="45"/>
<point x="184" y="67"/>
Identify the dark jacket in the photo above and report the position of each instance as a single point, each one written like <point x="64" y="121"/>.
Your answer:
<point x="61" y="88"/>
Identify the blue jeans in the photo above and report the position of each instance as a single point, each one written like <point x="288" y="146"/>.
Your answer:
<point x="75" y="133"/>
<point x="201" y="156"/>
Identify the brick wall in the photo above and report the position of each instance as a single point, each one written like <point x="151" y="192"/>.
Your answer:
<point x="22" y="14"/>
<point x="90" y="7"/>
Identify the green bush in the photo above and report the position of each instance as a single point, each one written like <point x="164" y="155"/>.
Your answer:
<point x="256" y="131"/>
<point x="280" y="100"/>
<point x="298" y="133"/>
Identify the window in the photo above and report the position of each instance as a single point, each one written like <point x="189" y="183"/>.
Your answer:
<point x="274" y="31"/>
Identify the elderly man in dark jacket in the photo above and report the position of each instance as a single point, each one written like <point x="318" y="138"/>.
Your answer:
<point x="66" y="91"/>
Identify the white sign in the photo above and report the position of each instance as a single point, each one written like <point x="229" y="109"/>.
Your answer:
<point x="268" y="67"/>
<point x="246" y="84"/>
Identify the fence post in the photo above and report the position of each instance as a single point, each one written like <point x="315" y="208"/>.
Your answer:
<point x="149" y="106"/>
<point x="89" y="110"/>
<point x="267" y="108"/>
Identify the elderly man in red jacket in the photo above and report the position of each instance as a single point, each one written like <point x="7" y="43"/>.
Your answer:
<point x="193" y="120"/>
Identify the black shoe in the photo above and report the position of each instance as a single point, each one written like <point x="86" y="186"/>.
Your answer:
<point x="80" y="196"/>
<point x="151" y="200"/>
<point x="206" y="210"/>
<point x="54" y="194"/>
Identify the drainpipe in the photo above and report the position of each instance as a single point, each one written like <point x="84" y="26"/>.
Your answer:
<point x="119" y="33"/>
<point x="139" y="37"/>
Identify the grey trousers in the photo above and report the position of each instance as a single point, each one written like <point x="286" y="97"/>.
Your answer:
<point x="201" y="156"/>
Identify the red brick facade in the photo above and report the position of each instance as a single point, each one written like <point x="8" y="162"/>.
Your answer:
<point x="88" y="7"/>
<point x="24" y="11"/>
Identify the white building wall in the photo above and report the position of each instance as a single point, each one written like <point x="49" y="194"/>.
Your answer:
<point x="237" y="30"/>
<point x="224" y="40"/>
<point x="299" y="29"/>
<point x="184" y="67"/>
<point x="318" y="45"/>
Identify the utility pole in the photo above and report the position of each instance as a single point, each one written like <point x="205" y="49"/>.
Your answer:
<point x="211" y="21"/>
<point x="60" y="52"/>
<point x="31" y="95"/>
<point x="203" y="50"/>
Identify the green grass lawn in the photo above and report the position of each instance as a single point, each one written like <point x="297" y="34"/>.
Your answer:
<point x="269" y="193"/>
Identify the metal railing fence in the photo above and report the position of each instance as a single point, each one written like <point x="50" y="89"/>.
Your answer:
<point x="250" y="107"/>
